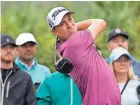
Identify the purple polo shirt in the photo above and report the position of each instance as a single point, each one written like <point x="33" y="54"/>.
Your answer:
<point x="91" y="73"/>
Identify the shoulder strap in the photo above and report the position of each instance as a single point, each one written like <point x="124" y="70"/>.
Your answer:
<point x="124" y="86"/>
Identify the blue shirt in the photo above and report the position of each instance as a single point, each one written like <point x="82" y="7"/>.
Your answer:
<point x="37" y="71"/>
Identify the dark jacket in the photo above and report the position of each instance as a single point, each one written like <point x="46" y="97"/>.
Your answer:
<point x="18" y="89"/>
<point x="136" y="67"/>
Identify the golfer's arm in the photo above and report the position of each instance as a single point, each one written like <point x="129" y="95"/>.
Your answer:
<point x="83" y="25"/>
<point x="96" y="26"/>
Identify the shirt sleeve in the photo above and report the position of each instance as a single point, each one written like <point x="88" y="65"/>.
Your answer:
<point x="47" y="72"/>
<point x="43" y="94"/>
<point x="85" y="38"/>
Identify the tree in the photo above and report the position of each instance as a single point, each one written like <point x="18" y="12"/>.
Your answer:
<point x="30" y="16"/>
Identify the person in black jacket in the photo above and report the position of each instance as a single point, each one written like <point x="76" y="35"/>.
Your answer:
<point x="16" y="87"/>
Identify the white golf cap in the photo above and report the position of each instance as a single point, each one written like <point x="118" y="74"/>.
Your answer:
<point x="55" y="16"/>
<point x="24" y="38"/>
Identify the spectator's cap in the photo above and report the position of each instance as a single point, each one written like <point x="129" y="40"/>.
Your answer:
<point x="116" y="32"/>
<point x="24" y="38"/>
<point x="6" y="39"/>
<point x="55" y="16"/>
<point x="117" y="53"/>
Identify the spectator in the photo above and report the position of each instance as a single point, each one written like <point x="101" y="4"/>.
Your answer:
<point x="59" y="89"/>
<point x="48" y="94"/>
<point x="119" y="38"/>
<point x="91" y="73"/>
<point x="27" y="62"/>
<point x="16" y="87"/>
<point x="120" y="61"/>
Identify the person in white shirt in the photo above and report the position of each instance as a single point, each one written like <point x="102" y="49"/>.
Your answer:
<point x="120" y="61"/>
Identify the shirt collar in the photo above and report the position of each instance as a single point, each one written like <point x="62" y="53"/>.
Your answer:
<point x="32" y="65"/>
<point x="28" y="67"/>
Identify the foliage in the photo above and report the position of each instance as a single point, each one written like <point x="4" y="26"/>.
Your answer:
<point x="29" y="16"/>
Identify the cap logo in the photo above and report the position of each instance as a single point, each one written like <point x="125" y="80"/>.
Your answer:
<point x="7" y="40"/>
<point x="117" y="30"/>
<point x="57" y="12"/>
<point x="51" y="24"/>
